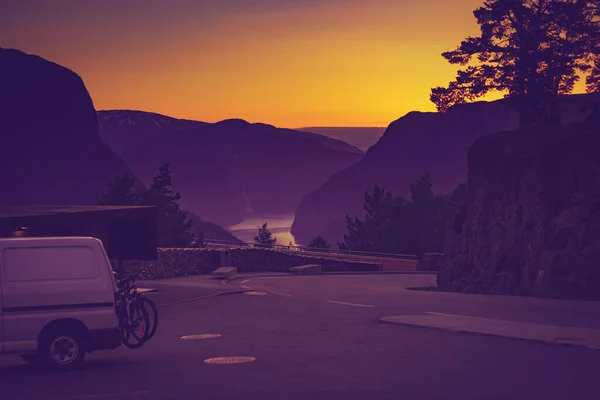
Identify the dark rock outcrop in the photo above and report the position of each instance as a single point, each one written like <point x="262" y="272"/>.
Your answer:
<point x="50" y="150"/>
<point x="416" y="143"/>
<point x="228" y="169"/>
<point x="528" y="220"/>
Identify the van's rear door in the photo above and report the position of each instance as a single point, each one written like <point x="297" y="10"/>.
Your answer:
<point x="1" y="313"/>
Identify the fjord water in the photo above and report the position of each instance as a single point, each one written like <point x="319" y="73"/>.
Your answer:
<point x="278" y="224"/>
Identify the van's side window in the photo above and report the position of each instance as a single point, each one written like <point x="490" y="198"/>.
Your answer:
<point x="49" y="263"/>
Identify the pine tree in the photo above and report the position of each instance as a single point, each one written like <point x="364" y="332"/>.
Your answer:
<point x="264" y="237"/>
<point x="593" y="79"/>
<point x="121" y="192"/>
<point x="399" y="225"/>
<point x="199" y="242"/>
<point x="532" y="50"/>
<point x="174" y="227"/>
<point x="318" y="242"/>
<point x="357" y="238"/>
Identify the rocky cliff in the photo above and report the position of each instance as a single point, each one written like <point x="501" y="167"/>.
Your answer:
<point x="50" y="150"/>
<point x="414" y="144"/>
<point x="528" y="219"/>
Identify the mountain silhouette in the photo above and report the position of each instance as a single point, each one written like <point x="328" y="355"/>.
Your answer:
<point x="229" y="169"/>
<point x="51" y="152"/>
<point x="417" y="143"/>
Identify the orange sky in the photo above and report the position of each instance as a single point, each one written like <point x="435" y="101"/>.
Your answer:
<point x="291" y="63"/>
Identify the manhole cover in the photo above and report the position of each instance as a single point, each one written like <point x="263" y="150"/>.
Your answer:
<point x="229" y="360"/>
<point x="201" y="336"/>
<point x="253" y="293"/>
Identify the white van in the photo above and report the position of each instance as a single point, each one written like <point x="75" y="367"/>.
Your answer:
<point x="57" y="299"/>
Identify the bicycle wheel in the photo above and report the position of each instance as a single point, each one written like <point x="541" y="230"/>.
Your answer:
<point x="152" y="311"/>
<point x="135" y="333"/>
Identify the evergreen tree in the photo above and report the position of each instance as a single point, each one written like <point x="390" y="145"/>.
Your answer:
<point x="398" y="225"/>
<point x="357" y="238"/>
<point x="426" y="218"/>
<point x="173" y="224"/>
<point x="121" y="192"/>
<point x="372" y="234"/>
<point x="264" y="237"/>
<point x="593" y="79"/>
<point x="199" y="242"/>
<point x="318" y="242"/>
<point x="532" y="50"/>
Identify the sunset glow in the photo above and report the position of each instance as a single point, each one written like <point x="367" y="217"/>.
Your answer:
<point x="288" y="63"/>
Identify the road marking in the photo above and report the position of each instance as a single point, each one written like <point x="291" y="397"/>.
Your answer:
<point x="101" y="396"/>
<point x="245" y="287"/>
<point x="282" y="294"/>
<point x="146" y="290"/>
<point x="229" y="360"/>
<point x="244" y="281"/>
<point x="208" y="296"/>
<point x="350" y="304"/>
<point x="201" y="336"/>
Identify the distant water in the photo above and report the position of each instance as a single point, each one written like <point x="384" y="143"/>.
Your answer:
<point x="278" y="224"/>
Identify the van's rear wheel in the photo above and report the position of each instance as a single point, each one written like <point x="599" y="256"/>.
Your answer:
<point x="62" y="349"/>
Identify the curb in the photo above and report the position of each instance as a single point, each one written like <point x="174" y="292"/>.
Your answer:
<point x="470" y="332"/>
<point x="380" y="273"/>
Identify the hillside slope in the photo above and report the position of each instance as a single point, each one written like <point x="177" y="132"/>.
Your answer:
<point x="412" y="145"/>
<point x="228" y="169"/>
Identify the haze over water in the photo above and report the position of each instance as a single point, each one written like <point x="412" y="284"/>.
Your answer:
<point x="278" y="224"/>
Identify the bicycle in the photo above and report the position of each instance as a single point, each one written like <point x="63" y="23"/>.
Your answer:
<point x="135" y="311"/>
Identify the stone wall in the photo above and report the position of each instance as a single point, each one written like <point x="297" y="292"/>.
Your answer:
<point x="528" y="220"/>
<point x="184" y="262"/>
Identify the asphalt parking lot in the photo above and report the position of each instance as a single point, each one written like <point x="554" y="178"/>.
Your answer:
<point x="321" y="337"/>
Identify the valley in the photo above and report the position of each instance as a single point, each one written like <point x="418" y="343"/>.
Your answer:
<point x="279" y="225"/>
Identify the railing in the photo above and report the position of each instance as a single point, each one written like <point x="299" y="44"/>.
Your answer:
<point x="304" y="249"/>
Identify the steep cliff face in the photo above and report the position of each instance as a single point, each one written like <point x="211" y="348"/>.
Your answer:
<point x="528" y="220"/>
<point x="50" y="150"/>
<point x="416" y="143"/>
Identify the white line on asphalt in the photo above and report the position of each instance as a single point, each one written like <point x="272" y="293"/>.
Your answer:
<point x="282" y="294"/>
<point x="245" y="287"/>
<point x="101" y="396"/>
<point x="208" y="296"/>
<point x="244" y="281"/>
<point x="350" y="304"/>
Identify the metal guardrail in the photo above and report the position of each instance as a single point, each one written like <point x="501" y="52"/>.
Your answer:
<point x="306" y="249"/>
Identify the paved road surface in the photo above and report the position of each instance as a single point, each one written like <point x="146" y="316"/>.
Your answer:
<point x="320" y="338"/>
